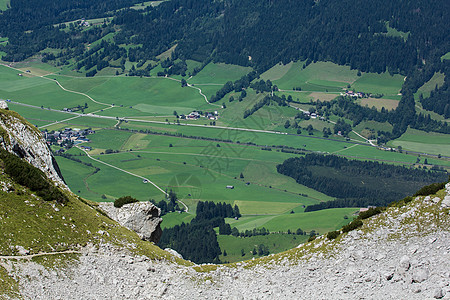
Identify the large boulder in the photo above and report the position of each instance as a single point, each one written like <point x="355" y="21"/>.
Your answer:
<point x="141" y="217"/>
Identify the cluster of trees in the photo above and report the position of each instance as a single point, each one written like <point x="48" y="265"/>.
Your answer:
<point x="119" y="202"/>
<point x="355" y="183"/>
<point x="263" y="86"/>
<point x="237" y="86"/>
<point x="29" y="25"/>
<point x="170" y="206"/>
<point x="31" y="177"/>
<point x="281" y="101"/>
<point x="342" y="127"/>
<point x="197" y="241"/>
<point x="265" y="30"/>
<point x="209" y="210"/>
<point x="439" y="100"/>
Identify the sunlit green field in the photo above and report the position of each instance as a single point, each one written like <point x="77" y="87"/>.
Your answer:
<point x="205" y="157"/>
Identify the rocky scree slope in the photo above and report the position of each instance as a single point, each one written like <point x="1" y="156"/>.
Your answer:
<point x="402" y="253"/>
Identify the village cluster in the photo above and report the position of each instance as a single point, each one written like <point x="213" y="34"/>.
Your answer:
<point x="195" y="115"/>
<point x="67" y="137"/>
<point x="355" y="94"/>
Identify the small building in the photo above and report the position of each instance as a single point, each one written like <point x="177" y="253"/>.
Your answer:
<point x="230" y="187"/>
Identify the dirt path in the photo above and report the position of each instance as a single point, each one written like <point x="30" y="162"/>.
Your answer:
<point x="38" y="254"/>
<point x="132" y="174"/>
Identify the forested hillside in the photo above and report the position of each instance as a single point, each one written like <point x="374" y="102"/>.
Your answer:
<point x="354" y="182"/>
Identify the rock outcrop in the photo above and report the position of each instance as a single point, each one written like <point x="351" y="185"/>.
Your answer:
<point x="24" y="140"/>
<point x="141" y="217"/>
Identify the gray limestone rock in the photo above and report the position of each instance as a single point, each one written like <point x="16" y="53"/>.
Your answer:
<point x="420" y="275"/>
<point x="3" y="105"/>
<point x="141" y="217"/>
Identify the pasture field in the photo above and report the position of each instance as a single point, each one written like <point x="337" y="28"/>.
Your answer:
<point x="446" y="56"/>
<point x="39" y="116"/>
<point x="219" y="73"/>
<point x="76" y="175"/>
<point x="396" y="33"/>
<point x="38" y="91"/>
<point x="380" y="84"/>
<point x="4" y="4"/>
<point x="436" y="80"/>
<point x="321" y="221"/>
<point x="329" y="77"/>
<point x="424" y="142"/>
<point x="174" y="218"/>
<point x="276" y="242"/>
<point x="154" y="96"/>
<point x="374" y="126"/>
<point x="317" y="77"/>
<point x="379" y="103"/>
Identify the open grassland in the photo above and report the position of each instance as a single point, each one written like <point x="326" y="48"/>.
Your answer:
<point x="77" y="174"/>
<point x="39" y="91"/>
<point x="276" y="242"/>
<point x="4" y="4"/>
<point x="198" y="169"/>
<point x="154" y="96"/>
<point x="174" y="218"/>
<point x="445" y="56"/>
<point x="320" y="221"/>
<point x="318" y="77"/>
<point x="219" y="73"/>
<point x="424" y="142"/>
<point x="383" y="83"/>
<point x="396" y="33"/>
<point x="328" y="77"/>
<point x="430" y="85"/>
<point x="38" y="116"/>
<point x="379" y="103"/>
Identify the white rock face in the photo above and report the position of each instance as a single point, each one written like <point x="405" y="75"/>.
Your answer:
<point x="3" y="104"/>
<point x="141" y="217"/>
<point x="28" y="143"/>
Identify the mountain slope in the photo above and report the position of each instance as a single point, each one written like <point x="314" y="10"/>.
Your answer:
<point x="402" y="253"/>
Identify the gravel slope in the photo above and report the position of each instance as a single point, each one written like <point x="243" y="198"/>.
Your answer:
<point x="403" y="253"/>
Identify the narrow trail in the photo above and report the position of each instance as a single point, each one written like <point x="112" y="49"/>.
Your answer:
<point x="194" y="87"/>
<point x="59" y="84"/>
<point x="38" y="254"/>
<point x="132" y="174"/>
<point x="344" y="149"/>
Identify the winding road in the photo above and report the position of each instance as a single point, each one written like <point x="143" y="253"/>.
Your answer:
<point x="132" y="174"/>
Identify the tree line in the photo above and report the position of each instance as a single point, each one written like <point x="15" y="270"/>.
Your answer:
<point x="355" y="183"/>
<point x="197" y="240"/>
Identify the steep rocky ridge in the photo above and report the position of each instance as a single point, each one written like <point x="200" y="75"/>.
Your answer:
<point x="23" y="139"/>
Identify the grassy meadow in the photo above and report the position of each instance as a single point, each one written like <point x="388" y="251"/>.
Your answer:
<point x="194" y="165"/>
